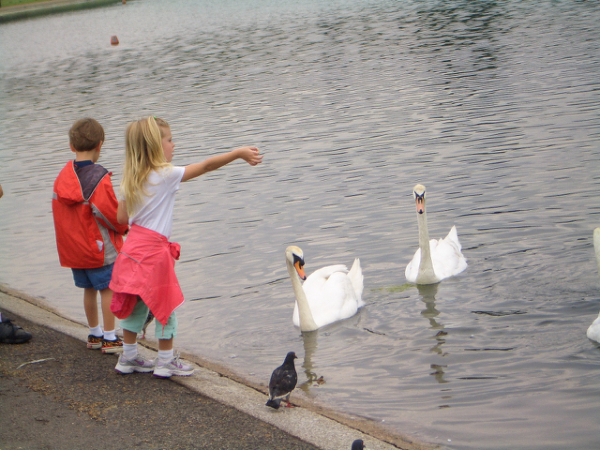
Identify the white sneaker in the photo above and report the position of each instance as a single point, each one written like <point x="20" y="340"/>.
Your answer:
<point x="173" y="367"/>
<point x="137" y="364"/>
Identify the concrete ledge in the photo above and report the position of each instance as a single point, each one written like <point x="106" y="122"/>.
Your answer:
<point x="325" y="429"/>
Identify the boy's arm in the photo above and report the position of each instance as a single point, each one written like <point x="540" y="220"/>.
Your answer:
<point x="248" y="154"/>
<point x="122" y="216"/>
<point x="105" y="204"/>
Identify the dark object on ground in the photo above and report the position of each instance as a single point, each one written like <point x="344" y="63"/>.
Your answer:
<point x="358" y="445"/>
<point x="11" y="333"/>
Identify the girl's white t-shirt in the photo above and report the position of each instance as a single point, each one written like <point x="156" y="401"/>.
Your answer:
<point x="158" y="200"/>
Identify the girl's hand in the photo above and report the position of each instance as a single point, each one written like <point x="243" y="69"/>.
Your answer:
<point x="250" y="155"/>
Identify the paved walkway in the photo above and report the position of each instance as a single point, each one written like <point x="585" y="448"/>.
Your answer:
<point x="55" y="393"/>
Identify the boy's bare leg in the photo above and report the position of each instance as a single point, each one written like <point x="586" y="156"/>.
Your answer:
<point x="90" y="305"/>
<point x="107" y="316"/>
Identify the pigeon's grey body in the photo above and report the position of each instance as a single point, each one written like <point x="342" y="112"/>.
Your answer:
<point x="358" y="445"/>
<point x="283" y="381"/>
<point x="149" y="319"/>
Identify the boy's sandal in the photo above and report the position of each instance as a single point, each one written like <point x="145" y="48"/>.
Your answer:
<point x="115" y="346"/>
<point x="94" y="342"/>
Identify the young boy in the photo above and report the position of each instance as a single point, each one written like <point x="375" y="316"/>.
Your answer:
<point x="88" y="235"/>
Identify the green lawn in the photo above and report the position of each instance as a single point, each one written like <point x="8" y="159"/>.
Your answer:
<point x="18" y="2"/>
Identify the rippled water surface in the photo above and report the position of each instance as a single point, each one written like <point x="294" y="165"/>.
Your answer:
<point x="493" y="105"/>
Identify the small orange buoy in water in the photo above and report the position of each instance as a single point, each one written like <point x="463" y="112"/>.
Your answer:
<point x="114" y="40"/>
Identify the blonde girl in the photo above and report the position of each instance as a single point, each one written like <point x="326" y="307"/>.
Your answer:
<point x="144" y="276"/>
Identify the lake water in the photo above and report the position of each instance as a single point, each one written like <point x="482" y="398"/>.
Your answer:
<point x="493" y="105"/>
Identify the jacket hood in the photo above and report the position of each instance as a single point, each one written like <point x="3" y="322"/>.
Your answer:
<point x="67" y="189"/>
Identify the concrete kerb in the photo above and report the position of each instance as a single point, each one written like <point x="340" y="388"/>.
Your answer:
<point x="302" y="422"/>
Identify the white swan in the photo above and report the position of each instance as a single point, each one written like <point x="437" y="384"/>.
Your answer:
<point x="435" y="259"/>
<point x="593" y="332"/>
<point x="328" y="294"/>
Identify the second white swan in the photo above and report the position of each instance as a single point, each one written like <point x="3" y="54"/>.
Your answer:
<point x="435" y="259"/>
<point x="329" y="294"/>
<point x="593" y="332"/>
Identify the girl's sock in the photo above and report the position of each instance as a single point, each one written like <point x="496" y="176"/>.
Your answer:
<point x="165" y="356"/>
<point x="110" y="335"/>
<point x="130" y="351"/>
<point x="96" y="331"/>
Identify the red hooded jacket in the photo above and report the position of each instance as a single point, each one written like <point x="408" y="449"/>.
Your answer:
<point x="84" y="207"/>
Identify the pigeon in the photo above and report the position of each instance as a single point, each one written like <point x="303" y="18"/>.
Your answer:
<point x="149" y="319"/>
<point x="283" y="381"/>
<point x="358" y="445"/>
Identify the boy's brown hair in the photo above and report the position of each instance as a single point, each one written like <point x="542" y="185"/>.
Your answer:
<point x="86" y="134"/>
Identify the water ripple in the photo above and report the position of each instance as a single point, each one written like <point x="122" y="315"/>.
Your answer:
<point x="492" y="105"/>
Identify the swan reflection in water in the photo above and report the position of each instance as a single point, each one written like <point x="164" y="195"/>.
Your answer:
<point x="428" y="293"/>
<point x="310" y="341"/>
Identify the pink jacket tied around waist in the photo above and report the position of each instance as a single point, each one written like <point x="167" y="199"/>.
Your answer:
<point x="146" y="267"/>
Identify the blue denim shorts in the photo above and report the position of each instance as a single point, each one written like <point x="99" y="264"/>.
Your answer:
<point x="98" y="279"/>
<point x="135" y="322"/>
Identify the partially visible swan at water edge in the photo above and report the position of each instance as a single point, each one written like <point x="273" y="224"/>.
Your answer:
<point x="435" y="259"/>
<point x="329" y="294"/>
<point x="593" y="332"/>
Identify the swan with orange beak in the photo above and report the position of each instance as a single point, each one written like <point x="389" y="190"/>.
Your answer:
<point x="435" y="259"/>
<point x="329" y="294"/>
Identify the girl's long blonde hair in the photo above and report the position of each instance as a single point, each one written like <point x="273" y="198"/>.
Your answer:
<point x="143" y="154"/>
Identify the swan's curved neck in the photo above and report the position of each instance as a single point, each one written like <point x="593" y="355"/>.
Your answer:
<point x="426" y="265"/>
<point x="307" y="323"/>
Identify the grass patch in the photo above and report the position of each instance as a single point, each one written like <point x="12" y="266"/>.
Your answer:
<point x="46" y="7"/>
<point x="18" y="2"/>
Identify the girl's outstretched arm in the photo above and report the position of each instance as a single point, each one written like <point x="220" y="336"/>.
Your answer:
<point x="248" y="154"/>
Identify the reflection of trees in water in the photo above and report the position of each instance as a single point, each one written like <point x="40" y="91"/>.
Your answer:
<point x="431" y="24"/>
<point x="458" y="22"/>
<point x="449" y="28"/>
